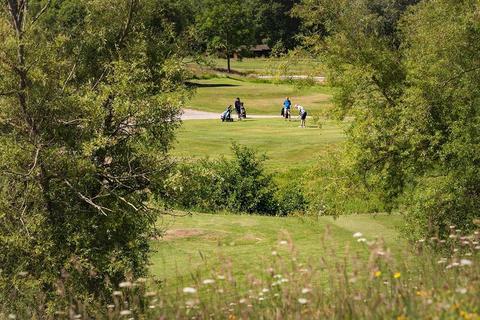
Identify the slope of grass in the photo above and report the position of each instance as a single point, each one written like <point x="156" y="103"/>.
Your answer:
<point x="197" y="243"/>
<point x="259" y="97"/>
<point x="285" y="145"/>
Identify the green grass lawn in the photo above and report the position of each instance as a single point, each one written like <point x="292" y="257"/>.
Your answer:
<point x="286" y="145"/>
<point x="271" y="65"/>
<point x="204" y="242"/>
<point x="259" y="98"/>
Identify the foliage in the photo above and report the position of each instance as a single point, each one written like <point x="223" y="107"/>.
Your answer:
<point x="332" y="188"/>
<point x="238" y="185"/>
<point x="89" y="102"/>
<point x="407" y="73"/>
<point x="420" y="283"/>
<point x="225" y="26"/>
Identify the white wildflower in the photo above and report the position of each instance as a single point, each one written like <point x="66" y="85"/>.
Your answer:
<point x="306" y="290"/>
<point x="361" y="240"/>
<point x="220" y="277"/>
<point x="125" y="284"/>
<point x="283" y="242"/>
<point x="189" y="290"/>
<point x="461" y="290"/>
<point x="357" y="235"/>
<point x="466" y="262"/>
<point x="208" y="281"/>
<point x="274" y="253"/>
<point x="302" y="300"/>
<point x="125" y="312"/>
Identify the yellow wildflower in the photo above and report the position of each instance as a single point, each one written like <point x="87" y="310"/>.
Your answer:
<point x="397" y="275"/>
<point x="378" y="274"/>
<point x="402" y="317"/>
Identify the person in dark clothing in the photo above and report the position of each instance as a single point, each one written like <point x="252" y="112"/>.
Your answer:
<point x="243" y="111"/>
<point x="238" y="108"/>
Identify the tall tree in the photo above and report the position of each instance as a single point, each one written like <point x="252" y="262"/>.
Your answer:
<point x="407" y="71"/>
<point x="89" y="102"/>
<point x="226" y="25"/>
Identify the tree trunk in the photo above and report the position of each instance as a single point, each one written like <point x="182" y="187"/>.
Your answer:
<point x="228" y="62"/>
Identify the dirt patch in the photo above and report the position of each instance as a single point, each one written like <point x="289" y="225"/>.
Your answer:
<point x="182" y="233"/>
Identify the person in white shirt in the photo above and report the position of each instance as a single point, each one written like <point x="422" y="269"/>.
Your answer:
<point x="302" y="115"/>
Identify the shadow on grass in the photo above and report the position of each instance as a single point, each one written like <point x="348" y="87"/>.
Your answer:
<point x="210" y="85"/>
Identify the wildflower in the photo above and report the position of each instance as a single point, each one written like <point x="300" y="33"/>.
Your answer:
<point x="141" y="280"/>
<point x="477" y="248"/>
<point x="274" y="253"/>
<point x="152" y="307"/>
<point x="276" y="295"/>
<point x="284" y="280"/>
<point x="357" y="235"/>
<point x="378" y="274"/>
<point x="397" y="275"/>
<point x="220" y="277"/>
<point x="402" y="317"/>
<point x="189" y="290"/>
<point x="306" y="290"/>
<point x="117" y="293"/>
<point x="150" y="294"/>
<point x="421" y="241"/>
<point x="380" y="253"/>
<point x="278" y="276"/>
<point x="442" y="260"/>
<point x="242" y="301"/>
<point x="302" y="300"/>
<point x="283" y="242"/>
<point x="465" y="262"/>
<point x="125" y="284"/>
<point x="361" y="240"/>
<point x="208" y="281"/>
<point x="453" y="226"/>
<point x="452" y="236"/>
<point x="125" y="312"/>
<point x="261" y="299"/>
<point x="422" y="293"/>
<point x="111" y="306"/>
<point x="12" y="316"/>
<point x="461" y="290"/>
<point x="77" y="316"/>
<point x="23" y="273"/>
<point x="265" y="290"/>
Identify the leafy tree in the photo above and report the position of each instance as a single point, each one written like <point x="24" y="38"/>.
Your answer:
<point x="407" y="72"/>
<point x="277" y="26"/>
<point x="89" y="102"/>
<point x="226" y="25"/>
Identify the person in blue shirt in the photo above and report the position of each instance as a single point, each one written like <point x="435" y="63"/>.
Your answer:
<point x="286" y="106"/>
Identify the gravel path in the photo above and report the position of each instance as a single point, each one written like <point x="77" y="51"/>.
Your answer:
<point x="190" y="114"/>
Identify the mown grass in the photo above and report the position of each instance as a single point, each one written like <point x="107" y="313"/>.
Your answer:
<point x="286" y="145"/>
<point x="196" y="244"/>
<point x="259" y="97"/>
<point x="271" y="65"/>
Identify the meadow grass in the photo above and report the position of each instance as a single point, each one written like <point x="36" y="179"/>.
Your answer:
<point x="259" y="97"/>
<point x="196" y="243"/>
<point x="286" y="146"/>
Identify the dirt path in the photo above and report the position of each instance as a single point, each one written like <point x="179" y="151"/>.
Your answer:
<point x="190" y="114"/>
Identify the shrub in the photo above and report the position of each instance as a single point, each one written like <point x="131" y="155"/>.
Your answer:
<point x="238" y="185"/>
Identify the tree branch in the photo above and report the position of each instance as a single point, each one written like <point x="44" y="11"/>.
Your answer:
<point x="88" y="200"/>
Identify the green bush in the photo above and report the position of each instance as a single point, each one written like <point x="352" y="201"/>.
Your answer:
<point x="238" y="185"/>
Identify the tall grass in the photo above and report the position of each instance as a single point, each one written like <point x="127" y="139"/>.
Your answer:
<point x="434" y="279"/>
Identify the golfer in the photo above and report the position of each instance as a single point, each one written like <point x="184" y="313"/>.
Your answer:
<point x="302" y="114"/>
